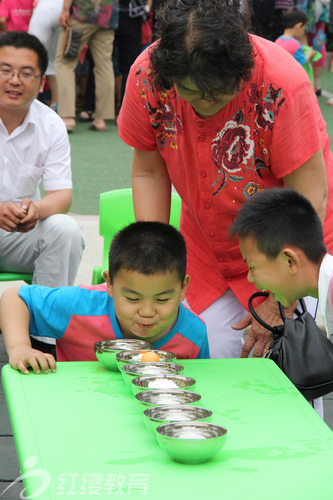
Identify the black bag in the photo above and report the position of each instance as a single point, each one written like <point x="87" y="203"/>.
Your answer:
<point x="72" y="42"/>
<point x="301" y="350"/>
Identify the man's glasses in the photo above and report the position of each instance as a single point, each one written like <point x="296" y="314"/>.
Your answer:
<point x="25" y="76"/>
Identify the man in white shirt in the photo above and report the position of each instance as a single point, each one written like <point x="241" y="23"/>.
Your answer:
<point x="35" y="234"/>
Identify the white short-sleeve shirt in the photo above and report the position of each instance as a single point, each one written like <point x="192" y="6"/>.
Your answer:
<point x="38" y="149"/>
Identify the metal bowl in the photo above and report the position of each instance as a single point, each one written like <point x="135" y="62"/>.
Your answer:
<point x="146" y="399"/>
<point x="191" y="442"/>
<point x="159" y="415"/>
<point x="106" y="350"/>
<point x="148" y="382"/>
<point x="135" y="356"/>
<point x="132" y="370"/>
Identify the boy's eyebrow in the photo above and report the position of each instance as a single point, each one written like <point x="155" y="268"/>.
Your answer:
<point x="165" y="292"/>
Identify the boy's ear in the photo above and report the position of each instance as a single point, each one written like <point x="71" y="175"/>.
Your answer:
<point x="184" y="287"/>
<point x="292" y="259"/>
<point x="106" y="276"/>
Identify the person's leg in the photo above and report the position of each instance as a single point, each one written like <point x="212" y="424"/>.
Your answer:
<point x="66" y="76"/>
<point x="101" y="45"/>
<point x="224" y="342"/>
<point x="52" y="251"/>
<point x="318" y="66"/>
<point x="129" y="46"/>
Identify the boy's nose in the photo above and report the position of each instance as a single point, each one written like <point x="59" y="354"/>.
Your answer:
<point x="249" y="277"/>
<point x="146" y="311"/>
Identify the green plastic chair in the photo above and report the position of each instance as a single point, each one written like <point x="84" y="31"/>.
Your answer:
<point x="27" y="277"/>
<point x="115" y="212"/>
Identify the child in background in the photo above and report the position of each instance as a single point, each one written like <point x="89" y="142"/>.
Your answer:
<point x="15" y="14"/>
<point x="281" y="241"/>
<point x="141" y="299"/>
<point x="294" y="21"/>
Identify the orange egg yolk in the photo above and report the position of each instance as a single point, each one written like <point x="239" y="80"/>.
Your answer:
<point x="150" y="356"/>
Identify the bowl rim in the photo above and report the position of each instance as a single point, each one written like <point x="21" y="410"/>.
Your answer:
<point x="165" y="408"/>
<point x="130" y="351"/>
<point x="162" y="364"/>
<point x="99" y="344"/>
<point x="192" y="423"/>
<point x="154" y="392"/>
<point x="178" y="377"/>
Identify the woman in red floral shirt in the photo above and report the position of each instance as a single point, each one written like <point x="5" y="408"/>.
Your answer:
<point x="221" y="114"/>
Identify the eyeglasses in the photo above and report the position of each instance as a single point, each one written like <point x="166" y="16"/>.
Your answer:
<point x="25" y="76"/>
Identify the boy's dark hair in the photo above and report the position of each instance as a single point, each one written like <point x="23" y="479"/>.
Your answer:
<point x="294" y="16"/>
<point x="148" y="248"/>
<point x="23" y="40"/>
<point x="281" y="216"/>
<point x="205" y="40"/>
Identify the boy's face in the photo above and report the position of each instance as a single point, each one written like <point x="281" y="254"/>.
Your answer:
<point x="146" y="306"/>
<point x="272" y="275"/>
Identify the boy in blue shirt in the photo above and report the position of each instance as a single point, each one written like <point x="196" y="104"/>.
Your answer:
<point x="294" y="21"/>
<point x="141" y="299"/>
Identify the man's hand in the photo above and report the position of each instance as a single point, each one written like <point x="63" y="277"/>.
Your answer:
<point x="11" y="214"/>
<point x="31" y="216"/>
<point x="259" y="337"/>
<point x="23" y="356"/>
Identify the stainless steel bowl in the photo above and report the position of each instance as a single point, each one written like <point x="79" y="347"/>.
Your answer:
<point x="135" y="356"/>
<point x="149" y="382"/>
<point x="146" y="399"/>
<point x="191" y="442"/>
<point x="132" y="370"/>
<point x="106" y="350"/>
<point x="159" y="415"/>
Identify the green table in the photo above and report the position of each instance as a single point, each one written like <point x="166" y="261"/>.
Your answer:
<point x="78" y="433"/>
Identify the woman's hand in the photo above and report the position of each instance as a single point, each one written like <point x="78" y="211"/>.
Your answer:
<point x="259" y="338"/>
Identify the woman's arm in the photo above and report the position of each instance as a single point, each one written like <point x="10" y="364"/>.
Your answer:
<point x="310" y="180"/>
<point x="151" y="186"/>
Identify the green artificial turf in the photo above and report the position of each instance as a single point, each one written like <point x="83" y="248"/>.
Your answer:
<point x="101" y="161"/>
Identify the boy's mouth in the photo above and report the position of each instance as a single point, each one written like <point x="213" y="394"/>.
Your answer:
<point x="142" y="325"/>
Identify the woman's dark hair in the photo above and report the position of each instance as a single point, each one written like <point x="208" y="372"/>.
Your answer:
<point x="277" y="217"/>
<point x="205" y="40"/>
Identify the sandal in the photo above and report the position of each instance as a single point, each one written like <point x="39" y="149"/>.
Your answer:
<point x="96" y="129"/>
<point x="70" y="124"/>
<point x="86" y="116"/>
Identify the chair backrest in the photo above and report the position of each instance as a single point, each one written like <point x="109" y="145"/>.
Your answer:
<point x="27" y="277"/>
<point x="116" y="211"/>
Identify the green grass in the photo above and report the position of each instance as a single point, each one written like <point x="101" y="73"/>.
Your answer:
<point x="101" y="161"/>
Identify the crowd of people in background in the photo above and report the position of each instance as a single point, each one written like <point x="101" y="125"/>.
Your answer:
<point x="94" y="82"/>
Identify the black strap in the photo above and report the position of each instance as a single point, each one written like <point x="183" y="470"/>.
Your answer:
<point x="297" y="312"/>
<point x="254" y="314"/>
<point x="261" y="321"/>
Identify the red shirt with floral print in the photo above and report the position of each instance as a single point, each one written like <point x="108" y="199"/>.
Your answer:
<point x="271" y="128"/>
